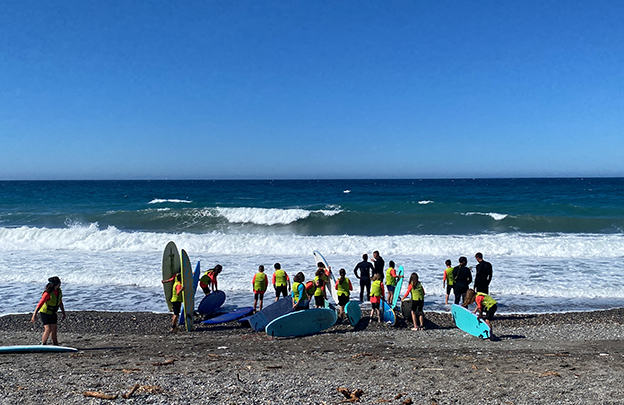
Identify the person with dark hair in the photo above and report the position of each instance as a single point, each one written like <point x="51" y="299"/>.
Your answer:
<point x="299" y="295"/>
<point x="391" y="281"/>
<point x="463" y="278"/>
<point x="260" y="283"/>
<point x="343" y="289"/>
<point x="319" y="282"/>
<point x="483" y="277"/>
<point x="51" y="301"/>
<point x="176" y="299"/>
<point x="448" y="280"/>
<point x="378" y="265"/>
<point x="365" y="267"/>
<point x="418" y="301"/>
<point x="209" y="279"/>
<point x="377" y="294"/>
<point x="281" y="282"/>
<point x="485" y="303"/>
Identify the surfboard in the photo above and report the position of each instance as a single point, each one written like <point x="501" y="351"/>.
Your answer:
<point x="353" y="312"/>
<point x="196" y="276"/>
<point x="170" y="266"/>
<point x="261" y="319"/>
<point x="331" y="284"/>
<point x="388" y="313"/>
<point x="211" y="302"/>
<point x="230" y="316"/>
<point x="399" y="285"/>
<point x="469" y="323"/>
<point x="35" y="349"/>
<point x="188" y="295"/>
<point x="302" y="323"/>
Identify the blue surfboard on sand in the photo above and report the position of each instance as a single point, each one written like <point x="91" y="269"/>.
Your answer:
<point x="388" y="313"/>
<point x="35" y="349"/>
<point x="397" y="288"/>
<point x="469" y="323"/>
<point x="230" y="316"/>
<point x="211" y="302"/>
<point x="353" y="312"/>
<point x="302" y="323"/>
<point x="261" y="319"/>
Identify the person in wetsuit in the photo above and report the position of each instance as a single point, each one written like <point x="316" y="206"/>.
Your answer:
<point x="463" y="278"/>
<point x="365" y="267"/>
<point x="378" y="265"/>
<point x="484" y="275"/>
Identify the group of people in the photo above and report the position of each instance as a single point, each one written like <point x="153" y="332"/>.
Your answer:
<point x="371" y="279"/>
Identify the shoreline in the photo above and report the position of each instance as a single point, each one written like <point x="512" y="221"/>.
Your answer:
<point x="552" y="358"/>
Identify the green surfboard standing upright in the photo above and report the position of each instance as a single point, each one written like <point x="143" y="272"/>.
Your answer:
<point x="188" y="294"/>
<point x="170" y="266"/>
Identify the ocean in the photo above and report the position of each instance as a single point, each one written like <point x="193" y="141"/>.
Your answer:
<point x="554" y="244"/>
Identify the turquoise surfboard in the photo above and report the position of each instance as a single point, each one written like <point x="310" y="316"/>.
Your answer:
<point x="35" y="349"/>
<point x="388" y="313"/>
<point x="331" y="284"/>
<point x="469" y="323"/>
<point x="188" y="294"/>
<point x="399" y="285"/>
<point x="302" y="323"/>
<point x="353" y="312"/>
<point x="170" y="266"/>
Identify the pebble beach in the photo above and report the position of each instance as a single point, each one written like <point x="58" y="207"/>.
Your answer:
<point x="131" y="358"/>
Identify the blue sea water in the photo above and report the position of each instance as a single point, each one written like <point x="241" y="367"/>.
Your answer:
<point x="555" y="244"/>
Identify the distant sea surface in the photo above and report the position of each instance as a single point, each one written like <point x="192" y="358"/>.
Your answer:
<point x="555" y="244"/>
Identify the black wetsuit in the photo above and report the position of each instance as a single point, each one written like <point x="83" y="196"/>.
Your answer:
<point x="463" y="278"/>
<point x="365" y="268"/>
<point x="378" y="265"/>
<point x="483" y="277"/>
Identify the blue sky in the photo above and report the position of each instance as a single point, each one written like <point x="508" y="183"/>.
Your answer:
<point x="311" y="89"/>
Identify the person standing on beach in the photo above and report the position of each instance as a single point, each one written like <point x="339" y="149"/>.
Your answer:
<point x="463" y="278"/>
<point x="484" y="275"/>
<point x="300" y="297"/>
<point x="376" y="295"/>
<point x="49" y="304"/>
<point x="365" y="268"/>
<point x="209" y="279"/>
<point x="319" y="282"/>
<point x="448" y="280"/>
<point x="391" y="281"/>
<point x="343" y="289"/>
<point x="176" y="299"/>
<point x="418" y="301"/>
<point x="378" y="265"/>
<point x="260" y="284"/>
<point x="281" y="282"/>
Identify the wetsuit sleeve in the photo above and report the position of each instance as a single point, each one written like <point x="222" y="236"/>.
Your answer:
<point x="178" y="288"/>
<point x="171" y="279"/>
<point x="337" y="282"/>
<point x="43" y="299"/>
<point x="273" y="280"/>
<point x="383" y="293"/>
<point x="393" y="273"/>
<point x="350" y="286"/>
<point x="444" y="276"/>
<point x="479" y="301"/>
<point x="409" y="290"/>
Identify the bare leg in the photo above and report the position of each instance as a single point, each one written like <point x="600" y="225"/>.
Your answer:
<point x="414" y="320"/>
<point x="421" y="317"/>
<point x="53" y="332"/>
<point x="446" y="300"/>
<point x="46" y="334"/>
<point x="261" y="302"/>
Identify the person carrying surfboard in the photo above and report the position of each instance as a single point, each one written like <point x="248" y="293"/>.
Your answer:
<point x="260" y="284"/>
<point x="281" y="282"/>
<point x="485" y="303"/>
<point x="209" y="280"/>
<point x="320" y="280"/>
<point x="343" y="288"/>
<point x="49" y="304"/>
<point x="176" y="299"/>
<point x="376" y="295"/>
<point x="418" y="300"/>
<point x="448" y="281"/>
<point x="391" y="280"/>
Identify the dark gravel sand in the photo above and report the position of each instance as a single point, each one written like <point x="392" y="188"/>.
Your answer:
<point x="572" y="358"/>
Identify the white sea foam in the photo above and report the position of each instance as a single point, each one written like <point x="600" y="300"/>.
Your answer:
<point x="170" y="200"/>
<point x="269" y="216"/>
<point x="425" y="202"/>
<point x="496" y="216"/>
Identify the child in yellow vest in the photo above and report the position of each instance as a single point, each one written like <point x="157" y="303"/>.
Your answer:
<point x="376" y="295"/>
<point x="391" y="281"/>
<point x="51" y="301"/>
<point x="343" y="289"/>
<point x="176" y="299"/>
<point x="485" y="303"/>
<point x="418" y="300"/>
<point x="300" y="297"/>
<point x="260" y="283"/>
<point x="448" y="280"/>
<point x="319" y="282"/>
<point x="281" y="282"/>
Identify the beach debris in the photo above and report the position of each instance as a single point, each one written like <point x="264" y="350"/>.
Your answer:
<point x="379" y="401"/>
<point x="132" y="391"/>
<point x="355" y="356"/>
<point x="164" y="363"/>
<point x="474" y="367"/>
<point x="549" y="373"/>
<point x="352" y="396"/>
<point x="100" y="395"/>
<point x="273" y="367"/>
<point x="408" y="401"/>
<point x="399" y="395"/>
<point x="143" y="389"/>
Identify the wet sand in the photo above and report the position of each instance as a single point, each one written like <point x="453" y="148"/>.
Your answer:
<point x="570" y="358"/>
